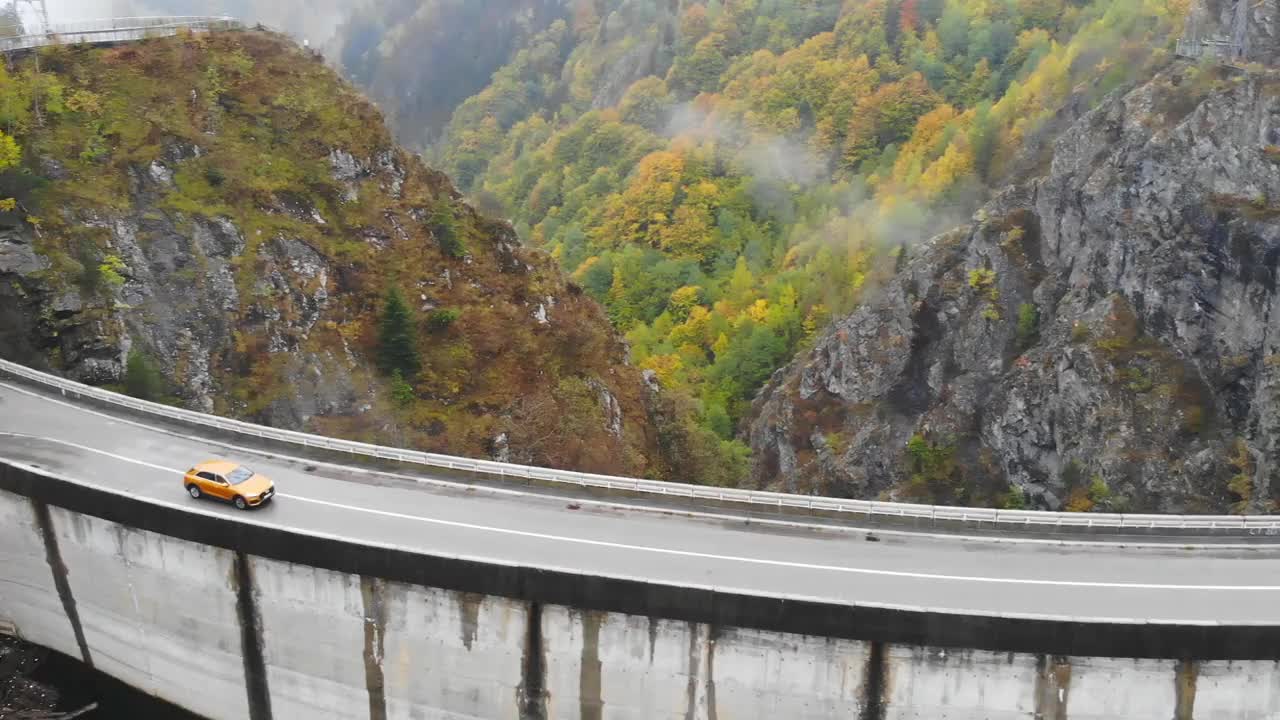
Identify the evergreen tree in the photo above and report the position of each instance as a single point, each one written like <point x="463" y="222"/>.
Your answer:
<point x="142" y="379"/>
<point x="397" y="342"/>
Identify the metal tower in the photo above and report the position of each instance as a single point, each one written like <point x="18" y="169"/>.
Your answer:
<point x="41" y="11"/>
<point x="1239" y="30"/>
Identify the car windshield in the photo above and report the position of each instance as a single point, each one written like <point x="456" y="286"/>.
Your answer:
<point x="239" y="475"/>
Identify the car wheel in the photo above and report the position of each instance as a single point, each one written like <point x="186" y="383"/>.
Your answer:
<point x="240" y="503"/>
<point x="194" y="492"/>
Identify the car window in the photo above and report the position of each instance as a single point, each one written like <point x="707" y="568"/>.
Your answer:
<point x="239" y="475"/>
<point x="207" y="476"/>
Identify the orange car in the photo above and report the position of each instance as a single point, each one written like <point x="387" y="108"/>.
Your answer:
<point x="229" y="481"/>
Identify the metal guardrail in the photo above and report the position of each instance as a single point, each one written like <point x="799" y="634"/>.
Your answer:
<point x="116" y="30"/>
<point x="1003" y="519"/>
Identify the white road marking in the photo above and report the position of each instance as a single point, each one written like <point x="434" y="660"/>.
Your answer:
<point x="652" y="509"/>
<point x="701" y="555"/>
<point x="104" y="453"/>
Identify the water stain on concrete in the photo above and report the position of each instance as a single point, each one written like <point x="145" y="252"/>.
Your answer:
<point x="1053" y="687"/>
<point x="713" y="634"/>
<point x="470" y="606"/>
<point x="700" y="691"/>
<point x="255" y="663"/>
<point x="875" y="685"/>
<point x="590" y="703"/>
<point x="61" y="579"/>
<point x="531" y="695"/>
<point x="695" y="668"/>
<point x="1185" y="678"/>
<point x="653" y="637"/>
<point x="373" y="593"/>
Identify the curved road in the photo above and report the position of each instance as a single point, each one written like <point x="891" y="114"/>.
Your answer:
<point x="1097" y="581"/>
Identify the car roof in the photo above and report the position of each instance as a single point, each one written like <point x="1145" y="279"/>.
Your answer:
<point x="220" y="467"/>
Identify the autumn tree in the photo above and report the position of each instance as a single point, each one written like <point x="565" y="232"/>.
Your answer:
<point x="955" y="164"/>
<point x="691" y="233"/>
<point x="586" y="19"/>
<point x="641" y="212"/>
<point x="469" y="154"/>
<point x="646" y="103"/>
<point x="694" y="25"/>
<point x="862" y="30"/>
<point x="700" y="71"/>
<point x="887" y="116"/>
<point x="1039" y="13"/>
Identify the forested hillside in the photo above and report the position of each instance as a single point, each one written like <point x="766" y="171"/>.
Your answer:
<point x="727" y="176"/>
<point x="422" y="58"/>
<point x="219" y="221"/>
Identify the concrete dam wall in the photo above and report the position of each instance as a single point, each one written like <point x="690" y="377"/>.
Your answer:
<point x="231" y="634"/>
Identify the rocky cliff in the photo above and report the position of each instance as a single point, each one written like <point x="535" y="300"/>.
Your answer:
<point x="222" y="212"/>
<point x="1106" y="336"/>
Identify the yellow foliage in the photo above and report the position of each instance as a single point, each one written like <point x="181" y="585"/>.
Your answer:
<point x="1079" y="501"/>
<point x="667" y="367"/>
<point x="693" y="330"/>
<point x="86" y="102"/>
<point x="929" y="128"/>
<point x="691" y="356"/>
<point x="686" y="297"/>
<point x="931" y="44"/>
<point x="586" y="266"/>
<point x="690" y="233"/>
<point x="721" y="345"/>
<point x="640" y="213"/>
<point x="10" y="152"/>
<point x="955" y="163"/>
<point x="1241" y="484"/>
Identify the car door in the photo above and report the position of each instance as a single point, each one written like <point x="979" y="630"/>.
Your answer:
<point x="211" y="485"/>
<point x="224" y="488"/>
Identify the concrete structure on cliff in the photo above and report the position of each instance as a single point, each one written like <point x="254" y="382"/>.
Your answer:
<point x="398" y="593"/>
<point x="1233" y="31"/>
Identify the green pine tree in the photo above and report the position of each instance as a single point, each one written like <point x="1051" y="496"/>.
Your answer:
<point x="397" y="341"/>
<point x="142" y="379"/>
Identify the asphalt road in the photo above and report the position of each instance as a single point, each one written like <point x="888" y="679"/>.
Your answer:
<point x="1172" y="584"/>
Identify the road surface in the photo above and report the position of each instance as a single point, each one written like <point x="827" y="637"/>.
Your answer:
<point x="1080" y="581"/>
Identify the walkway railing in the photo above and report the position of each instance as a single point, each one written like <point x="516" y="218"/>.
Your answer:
<point x="1260" y="525"/>
<point x="115" y="30"/>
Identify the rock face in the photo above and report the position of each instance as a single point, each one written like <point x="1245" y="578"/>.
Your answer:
<point x="175" y="295"/>
<point x="1106" y="336"/>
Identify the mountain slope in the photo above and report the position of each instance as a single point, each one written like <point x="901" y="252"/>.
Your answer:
<point x="422" y="58"/>
<point x="217" y="219"/>
<point x="725" y="177"/>
<point x="1104" y="337"/>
